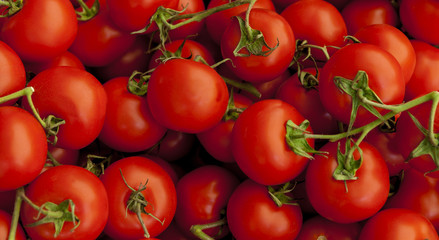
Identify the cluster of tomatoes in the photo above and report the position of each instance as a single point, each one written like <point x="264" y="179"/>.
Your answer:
<point x="245" y="119"/>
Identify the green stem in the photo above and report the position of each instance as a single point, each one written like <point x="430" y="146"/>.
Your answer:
<point x="6" y="3"/>
<point x="15" y="214"/>
<point x="54" y="214"/>
<point x="431" y="134"/>
<point x="197" y="230"/>
<point x="247" y="17"/>
<point x="248" y="87"/>
<point x="52" y="159"/>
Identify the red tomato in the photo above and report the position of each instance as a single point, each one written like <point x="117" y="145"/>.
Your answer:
<point x="5" y="225"/>
<point x="193" y="28"/>
<point x="65" y="59"/>
<point x="202" y="195"/>
<point x="398" y="224"/>
<point x="74" y="95"/>
<point x="172" y="232"/>
<point x="23" y="150"/>
<point x="174" y="145"/>
<point x="12" y="71"/>
<point x="419" y="193"/>
<point x="191" y="102"/>
<point x="419" y="17"/>
<point x="41" y="30"/>
<point x="384" y="78"/>
<point x="217" y="23"/>
<point x="61" y="183"/>
<point x="361" y="13"/>
<point x="424" y="76"/>
<point x="99" y="42"/>
<point x="160" y="194"/>
<point x="253" y="214"/>
<point x="318" y="22"/>
<point x="129" y="125"/>
<point x="7" y="200"/>
<point x="276" y="31"/>
<point x="364" y="196"/>
<point x="259" y="146"/>
<point x="318" y="227"/>
<point x="217" y="140"/>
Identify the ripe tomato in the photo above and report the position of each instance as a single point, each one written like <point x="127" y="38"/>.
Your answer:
<point x="190" y="29"/>
<point x="384" y="78"/>
<point x="65" y="59"/>
<point x="418" y="17"/>
<point x="398" y="223"/>
<point x="318" y="22"/>
<point x="5" y="225"/>
<point x="13" y="73"/>
<point x="276" y="32"/>
<point x="392" y="40"/>
<point x="253" y="214"/>
<point x="74" y="95"/>
<point x="259" y="146"/>
<point x="129" y="125"/>
<point x="23" y="150"/>
<point x="202" y="197"/>
<point x="318" y="227"/>
<point x="174" y="145"/>
<point x="41" y="30"/>
<point x="159" y="192"/>
<point x="188" y="96"/>
<point x="351" y="200"/>
<point x="61" y="183"/>
<point x="361" y="13"/>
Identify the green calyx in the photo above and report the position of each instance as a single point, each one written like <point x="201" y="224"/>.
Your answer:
<point x="52" y="125"/>
<point x="281" y="194"/>
<point x="87" y="13"/>
<point x="296" y="140"/>
<point x="11" y="7"/>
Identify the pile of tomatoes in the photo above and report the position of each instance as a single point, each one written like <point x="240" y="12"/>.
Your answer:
<point x="244" y="119"/>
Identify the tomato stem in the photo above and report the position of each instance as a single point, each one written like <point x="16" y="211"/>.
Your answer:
<point x="12" y="7"/>
<point x="197" y="230"/>
<point x="87" y="13"/>
<point x="246" y="86"/>
<point x="15" y="214"/>
<point x="52" y="159"/>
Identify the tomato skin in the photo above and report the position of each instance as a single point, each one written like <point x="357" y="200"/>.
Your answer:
<point x="259" y="146"/>
<point x="252" y="214"/>
<point x="202" y="194"/>
<point x="160" y="193"/>
<point x="68" y="182"/>
<point x="365" y="196"/>
<point x="5" y="224"/>
<point x="276" y="30"/>
<point x="384" y="74"/>
<point x="129" y="125"/>
<point x="13" y="73"/>
<point x="394" y="41"/>
<point x="19" y="128"/>
<point x="174" y="145"/>
<point x="193" y="28"/>
<point x="398" y="223"/>
<point x="23" y="31"/>
<point x="418" y="17"/>
<point x="319" y="227"/>
<point x="361" y="13"/>
<point x="191" y="102"/>
<point x="64" y="59"/>
<point x="424" y="78"/>
<point x="74" y="95"/>
<point x="318" y="22"/>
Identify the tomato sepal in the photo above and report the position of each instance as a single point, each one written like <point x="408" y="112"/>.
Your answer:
<point x="12" y="7"/>
<point x="297" y="141"/>
<point x="87" y="13"/>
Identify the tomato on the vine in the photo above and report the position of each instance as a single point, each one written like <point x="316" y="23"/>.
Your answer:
<point x="5" y="224"/>
<point x="13" y="72"/>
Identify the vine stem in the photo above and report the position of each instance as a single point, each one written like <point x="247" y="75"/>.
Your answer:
<point x="197" y="230"/>
<point x="16" y="214"/>
<point x="247" y="17"/>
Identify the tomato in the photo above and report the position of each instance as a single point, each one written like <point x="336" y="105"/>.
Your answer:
<point x="318" y="227"/>
<point x="74" y="95"/>
<point x="307" y="101"/>
<point x="7" y="200"/>
<point x="361" y="13"/>
<point x="23" y="149"/>
<point x="253" y="214"/>
<point x="202" y="197"/>
<point x="190" y="50"/>
<point x="276" y="32"/>
<point x="5" y="225"/>
<point x="268" y="89"/>
<point x="392" y="40"/>
<point x="32" y="31"/>
<point x="65" y="59"/>
<point x="190" y="29"/>
<point x="418" y="193"/>
<point x="259" y="146"/>
<point x="191" y="102"/>
<point x="172" y="232"/>
<point x="13" y="73"/>
<point x="134" y="15"/>
<point x="217" y="23"/>
<point x="129" y="125"/>
<point x="159" y="192"/>
<point x="351" y="200"/>
<point x="408" y="137"/>
<point x="217" y="140"/>
<point x="418" y="17"/>
<point x="61" y="183"/>
<point x="317" y="22"/>
<point x="424" y="75"/>
<point x="62" y="156"/>
<point x="398" y="224"/>
<point x="174" y="145"/>
<point x="99" y="42"/>
<point x="384" y="78"/>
